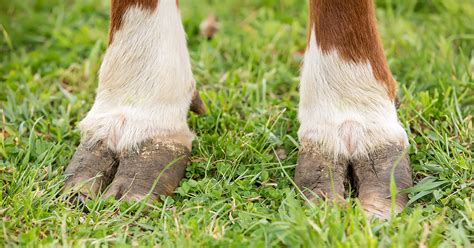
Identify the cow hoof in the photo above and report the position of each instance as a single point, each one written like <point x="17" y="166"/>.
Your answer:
<point x="319" y="173"/>
<point x="369" y="177"/>
<point x="373" y="175"/>
<point x="155" y="168"/>
<point x="90" y="171"/>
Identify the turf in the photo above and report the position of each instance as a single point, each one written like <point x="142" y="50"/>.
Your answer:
<point x="238" y="190"/>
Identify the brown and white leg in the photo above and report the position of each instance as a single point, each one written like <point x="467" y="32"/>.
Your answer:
<point x="347" y="111"/>
<point x="139" y="115"/>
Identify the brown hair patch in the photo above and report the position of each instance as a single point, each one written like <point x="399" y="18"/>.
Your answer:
<point x="118" y="9"/>
<point x="350" y="27"/>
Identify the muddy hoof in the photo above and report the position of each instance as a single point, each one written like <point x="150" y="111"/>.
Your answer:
<point x="373" y="176"/>
<point x="319" y="173"/>
<point x="91" y="170"/>
<point x="153" y="164"/>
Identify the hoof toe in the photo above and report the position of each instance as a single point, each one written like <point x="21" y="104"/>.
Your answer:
<point x="154" y="167"/>
<point x="318" y="173"/>
<point x="373" y="176"/>
<point x="377" y="208"/>
<point x="90" y="170"/>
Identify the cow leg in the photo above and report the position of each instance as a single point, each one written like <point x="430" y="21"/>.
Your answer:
<point x="347" y="112"/>
<point x="136" y="133"/>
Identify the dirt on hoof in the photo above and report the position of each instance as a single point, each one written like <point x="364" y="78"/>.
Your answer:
<point x="154" y="163"/>
<point x="373" y="177"/>
<point x="319" y="173"/>
<point x="91" y="170"/>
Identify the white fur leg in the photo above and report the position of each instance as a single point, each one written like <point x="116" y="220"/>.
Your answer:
<point x="343" y="107"/>
<point x="145" y="81"/>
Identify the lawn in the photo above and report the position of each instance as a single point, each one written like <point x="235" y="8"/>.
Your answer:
<point x="238" y="190"/>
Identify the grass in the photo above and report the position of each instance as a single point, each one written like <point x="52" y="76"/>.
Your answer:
<point x="237" y="192"/>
